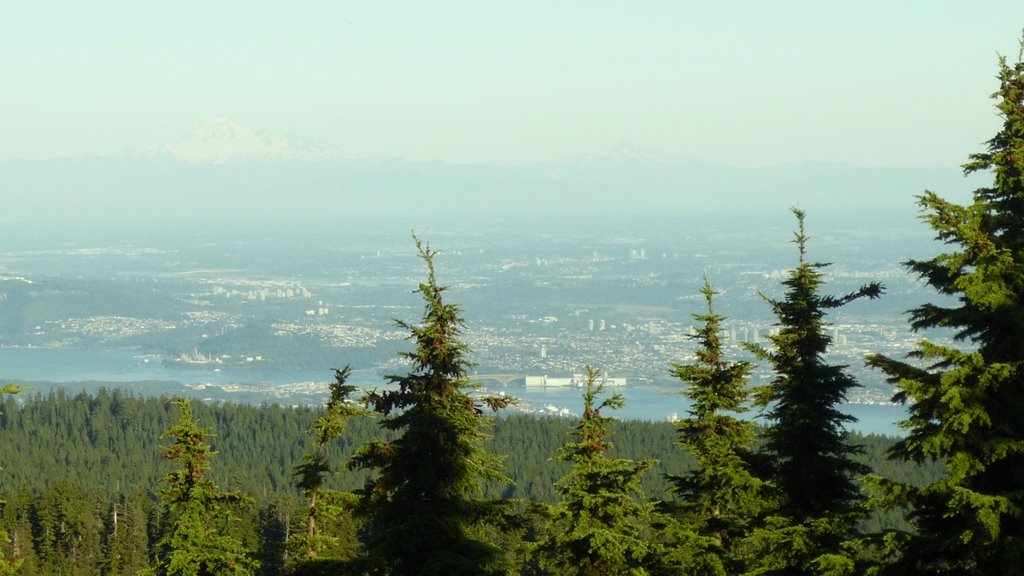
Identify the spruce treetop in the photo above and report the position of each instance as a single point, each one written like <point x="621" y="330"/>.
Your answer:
<point x="965" y="404"/>
<point x="599" y="527"/>
<point x="721" y="497"/>
<point x="810" y="464"/>
<point x="196" y="542"/>
<point x="420" y="506"/>
<point x="806" y="428"/>
<point x="715" y="384"/>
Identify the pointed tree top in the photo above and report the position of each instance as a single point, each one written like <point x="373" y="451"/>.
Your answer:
<point x="799" y="238"/>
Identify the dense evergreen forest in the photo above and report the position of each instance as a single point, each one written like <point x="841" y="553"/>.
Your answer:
<point x="417" y="479"/>
<point x="77" y="459"/>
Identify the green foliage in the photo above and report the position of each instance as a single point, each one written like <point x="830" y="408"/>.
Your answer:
<point x="420" y="507"/>
<point x="196" y="542"/>
<point x="8" y="566"/>
<point x="965" y="405"/>
<point x="600" y="526"/>
<point x="811" y="463"/>
<point x="66" y="530"/>
<point x="104" y="441"/>
<point x="111" y="467"/>
<point x="126" y="539"/>
<point x="721" y="496"/>
<point x="314" y="543"/>
<point x="782" y="546"/>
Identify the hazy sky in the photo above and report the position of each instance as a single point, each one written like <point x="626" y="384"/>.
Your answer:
<point x="746" y="83"/>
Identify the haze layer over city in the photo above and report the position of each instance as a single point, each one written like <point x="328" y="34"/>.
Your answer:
<point x="226" y="202"/>
<point x="262" y="316"/>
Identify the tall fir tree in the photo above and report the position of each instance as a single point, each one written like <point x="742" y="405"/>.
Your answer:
<point x="966" y="404"/>
<point x="811" y="464"/>
<point x="67" y="530"/>
<point x="423" y="508"/>
<point x="314" y="545"/>
<point x="600" y="527"/>
<point x="196" y="542"/>
<point x="9" y="563"/>
<point x="126" y="546"/>
<point x="721" y="496"/>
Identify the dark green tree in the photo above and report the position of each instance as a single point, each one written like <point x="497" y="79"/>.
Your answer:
<point x="601" y="527"/>
<point x="196" y="541"/>
<point x="966" y="404"/>
<point x="422" y="507"/>
<point x="313" y="544"/>
<point x="126" y="548"/>
<point x="721" y="496"/>
<point x="9" y="564"/>
<point x="67" y="530"/>
<point x="811" y="464"/>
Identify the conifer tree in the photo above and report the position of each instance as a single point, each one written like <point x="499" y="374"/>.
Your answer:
<point x="721" y="496"/>
<point x="810" y="462"/>
<point x="422" y="507"/>
<point x="966" y="403"/>
<point x="313" y="543"/>
<point x="195" y="542"/>
<point x="599" y="528"/>
<point x="126" y="547"/>
<point x="8" y="566"/>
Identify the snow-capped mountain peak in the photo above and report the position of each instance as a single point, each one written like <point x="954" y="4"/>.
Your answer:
<point x="221" y="140"/>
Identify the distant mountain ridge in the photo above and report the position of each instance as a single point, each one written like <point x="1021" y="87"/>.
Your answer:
<point x="119" y="189"/>
<point x="224" y="170"/>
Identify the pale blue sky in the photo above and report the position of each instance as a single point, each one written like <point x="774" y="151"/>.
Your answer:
<point x="741" y="82"/>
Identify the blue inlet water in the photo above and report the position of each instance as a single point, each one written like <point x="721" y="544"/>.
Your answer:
<point x="121" y="366"/>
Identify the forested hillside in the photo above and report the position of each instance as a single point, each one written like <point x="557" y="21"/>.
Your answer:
<point x="75" y="459"/>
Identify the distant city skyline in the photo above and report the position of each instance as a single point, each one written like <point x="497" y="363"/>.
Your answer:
<point x="740" y="83"/>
